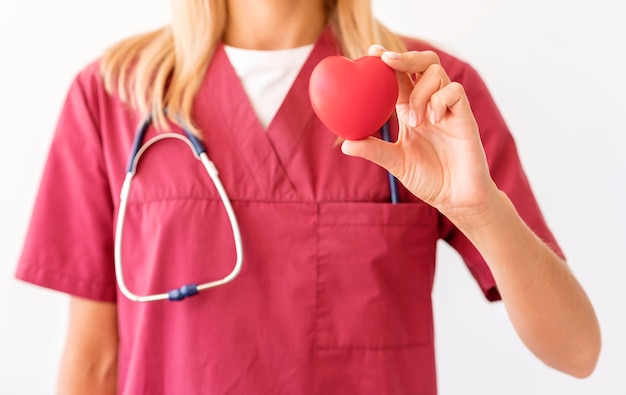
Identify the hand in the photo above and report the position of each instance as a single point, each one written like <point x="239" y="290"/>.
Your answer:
<point x="438" y="155"/>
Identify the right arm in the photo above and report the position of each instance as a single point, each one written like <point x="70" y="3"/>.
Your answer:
<point x="89" y="362"/>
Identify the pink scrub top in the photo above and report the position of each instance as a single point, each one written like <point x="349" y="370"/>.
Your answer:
<point x="335" y="292"/>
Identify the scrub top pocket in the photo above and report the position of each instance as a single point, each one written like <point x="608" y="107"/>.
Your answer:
<point x="375" y="273"/>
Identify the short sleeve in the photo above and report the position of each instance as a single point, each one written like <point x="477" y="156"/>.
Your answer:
<point x="507" y="172"/>
<point x="69" y="242"/>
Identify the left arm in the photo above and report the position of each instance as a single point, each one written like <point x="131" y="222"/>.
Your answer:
<point x="547" y="306"/>
<point x="439" y="157"/>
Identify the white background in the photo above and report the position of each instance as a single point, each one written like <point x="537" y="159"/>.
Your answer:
<point x="557" y="69"/>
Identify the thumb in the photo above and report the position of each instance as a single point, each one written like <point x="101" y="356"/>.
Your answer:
<point x="375" y="150"/>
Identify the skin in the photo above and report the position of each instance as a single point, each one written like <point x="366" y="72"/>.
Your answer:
<point x="273" y="24"/>
<point x="89" y="361"/>
<point x="439" y="158"/>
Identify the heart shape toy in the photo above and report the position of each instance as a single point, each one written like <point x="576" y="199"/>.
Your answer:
<point x="353" y="98"/>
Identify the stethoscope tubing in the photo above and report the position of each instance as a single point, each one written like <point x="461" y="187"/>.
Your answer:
<point x="393" y="181"/>
<point x="200" y="153"/>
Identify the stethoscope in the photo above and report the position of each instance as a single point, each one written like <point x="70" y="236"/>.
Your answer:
<point x="199" y="151"/>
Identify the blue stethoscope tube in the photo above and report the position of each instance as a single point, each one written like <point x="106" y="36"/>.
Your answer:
<point x="393" y="181"/>
<point x="200" y="153"/>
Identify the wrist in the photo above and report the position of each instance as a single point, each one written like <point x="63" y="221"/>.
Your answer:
<point x="490" y="208"/>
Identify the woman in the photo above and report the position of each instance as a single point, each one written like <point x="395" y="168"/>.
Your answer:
<point x="334" y="293"/>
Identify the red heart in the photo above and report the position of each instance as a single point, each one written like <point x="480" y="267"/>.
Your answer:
<point x="353" y="98"/>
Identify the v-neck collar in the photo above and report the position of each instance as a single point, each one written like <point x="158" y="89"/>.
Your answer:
<point x="296" y="113"/>
<point x="266" y="153"/>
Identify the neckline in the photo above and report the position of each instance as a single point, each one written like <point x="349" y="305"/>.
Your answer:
<point x="223" y="109"/>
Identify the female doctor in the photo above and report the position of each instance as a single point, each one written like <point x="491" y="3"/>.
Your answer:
<point x="333" y="295"/>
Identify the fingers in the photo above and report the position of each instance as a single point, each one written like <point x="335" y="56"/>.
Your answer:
<point x="450" y="98"/>
<point x="414" y="99"/>
<point x="413" y="62"/>
<point x="375" y="150"/>
<point x="433" y="79"/>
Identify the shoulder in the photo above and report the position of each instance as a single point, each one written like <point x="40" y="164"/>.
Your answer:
<point x="88" y="87"/>
<point x="89" y="79"/>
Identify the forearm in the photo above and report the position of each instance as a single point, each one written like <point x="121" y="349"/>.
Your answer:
<point x="89" y="363"/>
<point x="79" y="375"/>
<point x="547" y="306"/>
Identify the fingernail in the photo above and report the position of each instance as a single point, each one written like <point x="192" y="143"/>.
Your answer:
<point x="432" y="116"/>
<point x="378" y="47"/>
<point x="412" y="119"/>
<point x="391" y="55"/>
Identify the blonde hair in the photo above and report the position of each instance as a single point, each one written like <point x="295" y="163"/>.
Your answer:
<point x="164" y="68"/>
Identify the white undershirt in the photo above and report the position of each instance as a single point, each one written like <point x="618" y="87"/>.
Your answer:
<point x="267" y="76"/>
